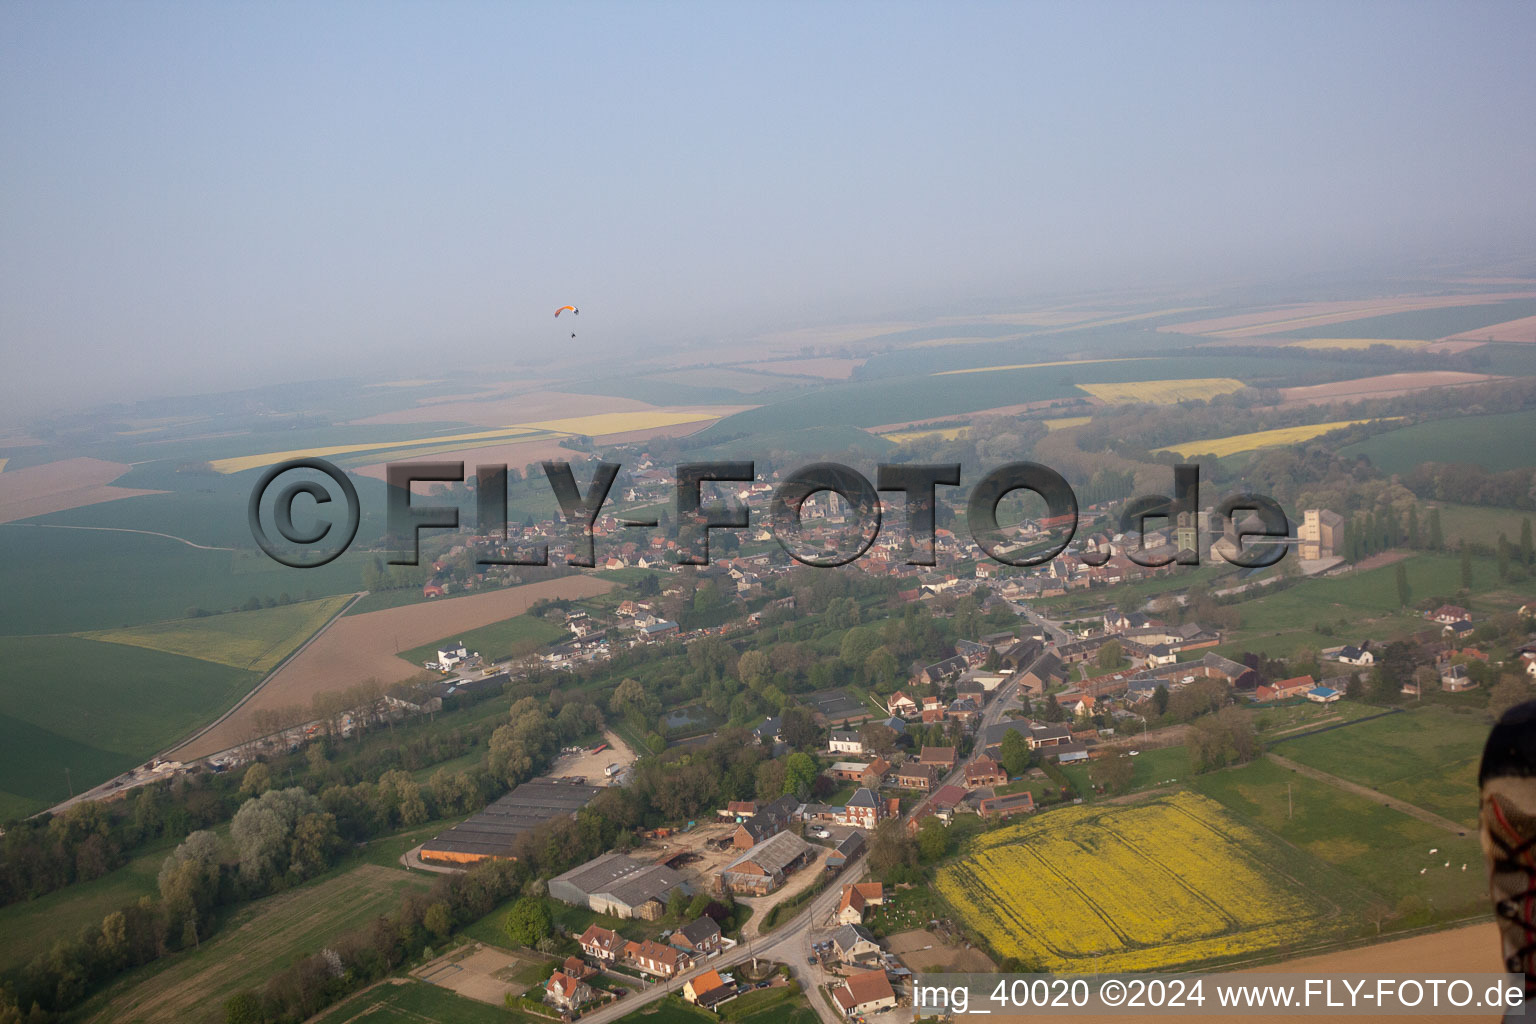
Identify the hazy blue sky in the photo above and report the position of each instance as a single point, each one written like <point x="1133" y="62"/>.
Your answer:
<point x="210" y="195"/>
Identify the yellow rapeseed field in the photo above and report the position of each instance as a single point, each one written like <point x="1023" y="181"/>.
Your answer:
<point x="596" y="425"/>
<point x="1174" y="881"/>
<point x="1357" y="343"/>
<point x="947" y="433"/>
<point x="241" y="463"/>
<point x="1033" y="366"/>
<point x="620" y="422"/>
<point x="1223" y="446"/>
<point x="1163" y="392"/>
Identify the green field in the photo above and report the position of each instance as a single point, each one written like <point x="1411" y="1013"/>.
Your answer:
<point x="128" y="579"/>
<point x="96" y="709"/>
<point x="404" y="1001"/>
<point x="256" y="942"/>
<point x="1427" y="757"/>
<point x="31" y="928"/>
<point x="765" y="1006"/>
<point x="254" y="640"/>
<point x="1381" y="849"/>
<point x="494" y="641"/>
<point x="1479" y="524"/>
<point x="1481" y="440"/>
<point x="1151" y="768"/>
<point x="1361" y="605"/>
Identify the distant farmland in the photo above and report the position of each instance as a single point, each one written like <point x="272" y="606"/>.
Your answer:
<point x="1487" y="441"/>
<point x="1236" y="443"/>
<point x="1163" y="392"/>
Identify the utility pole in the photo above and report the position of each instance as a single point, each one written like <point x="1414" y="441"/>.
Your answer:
<point x="1290" y="808"/>
<point x="70" y="783"/>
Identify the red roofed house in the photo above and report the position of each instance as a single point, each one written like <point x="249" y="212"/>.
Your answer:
<point x="567" y="993"/>
<point x="1284" y="689"/>
<point x="900" y="704"/>
<point x="855" y="898"/>
<point x="601" y="944"/>
<point x="864" y="992"/>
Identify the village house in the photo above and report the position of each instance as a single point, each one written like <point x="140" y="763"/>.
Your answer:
<point x="854" y="944"/>
<point x="707" y="990"/>
<point x="864" y="993"/>
<point x="601" y="944"/>
<point x="900" y="705"/>
<point x="984" y="772"/>
<point x="856" y="898"/>
<point x="874" y="773"/>
<point x="916" y="776"/>
<point x="1284" y="689"/>
<point x="845" y="741"/>
<point x="698" y="938"/>
<point x="940" y="757"/>
<point x="655" y="958"/>
<point x="564" y="992"/>
<point x="862" y="810"/>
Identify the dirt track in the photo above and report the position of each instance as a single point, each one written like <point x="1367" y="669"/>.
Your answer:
<point x="360" y="647"/>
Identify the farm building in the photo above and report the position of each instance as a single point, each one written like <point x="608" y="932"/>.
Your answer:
<point x="1007" y="806"/>
<point x="494" y="832"/>
<point x="1323" y="695"/>
<point x="616" y="885"/>
<point x="763" y="868"/>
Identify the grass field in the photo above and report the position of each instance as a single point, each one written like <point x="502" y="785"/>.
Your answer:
<point x="404" y="1001"/>
<point x="1362" y="604"/>
<point x="1174" y="881"/>
<point x="494" y="641"/>
<point x="1221" y="447"/>
<point x="1478" y="523"/>
<point x="31" y="928"/>
<point x="1150" y="769"/>
<point x="97" y="709"/>
<point x="1063" y="422"/>
<point x="766" y="1006"/>
<point x="1382" y="850"/>
<point x="1163" y="392"/>
<point x="255" y="640"/>
<point x="259" y="940"/>
<point x="1427" y="757"/>
<point x="1354" y="343"/>
<point x="130" y="579"/>
<point x="1483" y="440"/>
